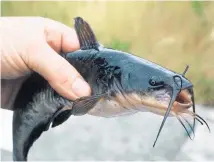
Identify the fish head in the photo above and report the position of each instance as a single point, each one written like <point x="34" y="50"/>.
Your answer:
<point x="146" y="86"/>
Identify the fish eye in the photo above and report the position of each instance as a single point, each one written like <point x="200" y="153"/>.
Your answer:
<point x="152" y="82"/>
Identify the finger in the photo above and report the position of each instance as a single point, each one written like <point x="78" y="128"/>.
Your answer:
<point x="60" y="37"/>
<point x="62" y="76"/>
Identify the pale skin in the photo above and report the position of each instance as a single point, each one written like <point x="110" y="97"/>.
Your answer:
<point x="30" y="44"/>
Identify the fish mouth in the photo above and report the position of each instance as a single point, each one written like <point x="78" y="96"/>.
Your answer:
<point x="182" y="102"/>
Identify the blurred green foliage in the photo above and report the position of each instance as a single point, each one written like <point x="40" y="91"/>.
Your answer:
<point x="119" y="45"/>
<point x="198" y="7"/>
<point x="169" y="33"/>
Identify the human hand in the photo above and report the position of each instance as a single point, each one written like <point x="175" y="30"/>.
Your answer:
<point x="32" y="44"/>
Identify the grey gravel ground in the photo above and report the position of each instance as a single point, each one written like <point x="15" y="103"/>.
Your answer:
<point x="121" y="138"/>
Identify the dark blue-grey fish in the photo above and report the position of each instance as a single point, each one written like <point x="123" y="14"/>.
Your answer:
<point x="121" y="84"/>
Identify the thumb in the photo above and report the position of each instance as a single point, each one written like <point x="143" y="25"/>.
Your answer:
<point x="61" y="75"/>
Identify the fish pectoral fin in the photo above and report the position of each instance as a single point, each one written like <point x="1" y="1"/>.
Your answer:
<point x="85" y="35"/>
<point x="82" y="105"/>
<point x="60" y="116"/>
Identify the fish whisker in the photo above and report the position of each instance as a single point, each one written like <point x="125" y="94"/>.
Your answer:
<point x="191" y="127"/>
<point x="193" y="108"/>
<point x="199" y="121"/>
<point x="178" y="117"/>
<point x="198" y="118"/>
<point x="203" y="121"/>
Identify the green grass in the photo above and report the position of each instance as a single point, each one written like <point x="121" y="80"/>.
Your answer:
<point x="172" y="34"/>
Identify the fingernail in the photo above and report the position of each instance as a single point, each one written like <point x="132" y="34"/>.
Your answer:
<point x="80" y="88"/>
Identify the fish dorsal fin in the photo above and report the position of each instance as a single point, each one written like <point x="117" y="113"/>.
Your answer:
<point x="85" y="35"/>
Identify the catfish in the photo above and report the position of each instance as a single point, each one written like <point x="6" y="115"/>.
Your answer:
<point x="121" y="84"/>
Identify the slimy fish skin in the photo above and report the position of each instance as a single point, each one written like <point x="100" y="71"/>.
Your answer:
<point x="121" y="84"/>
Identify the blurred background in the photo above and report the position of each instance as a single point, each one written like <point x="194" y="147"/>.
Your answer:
<point x="172" y="34"/>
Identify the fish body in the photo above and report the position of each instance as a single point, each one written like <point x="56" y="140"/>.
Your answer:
<point x="121" y="84"/>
